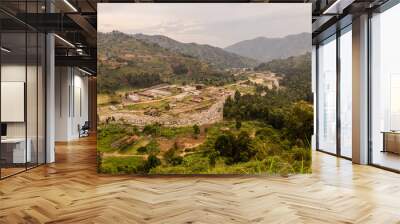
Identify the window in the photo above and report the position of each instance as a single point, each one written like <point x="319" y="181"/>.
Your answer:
<point x="327" y="95"/>
<point x="346" y="92"/>
<point x="385" y="89"/>
<point x="22" y="93"/>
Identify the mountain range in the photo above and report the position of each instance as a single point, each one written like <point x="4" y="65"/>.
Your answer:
<point x="266" y="49"/>
<point x="125" y="61"/>
<point x="244" y="54"/>
<point x="217" y="57"/>
<point x="144" y="60"/>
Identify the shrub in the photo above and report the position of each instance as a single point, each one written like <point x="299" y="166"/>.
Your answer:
<point x="171" y="156"/>
<point x="299" y="122"/>
<point x="152" y="129"/>
<point x="236" y="149"/>
<point x="153" y="147"/>
<point x="238" y="124"/>
<point x="116" y="165"/>
<point x="196" y="129"/>
<point x="224" y="144"/>
<point x="152" y="162"/>
<point x="142" y="149"/>
<point x="176" y="160"/>
<point x="212" y="158"/>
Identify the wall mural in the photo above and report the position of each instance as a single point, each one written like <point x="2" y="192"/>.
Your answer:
<point x="204" y="88"/>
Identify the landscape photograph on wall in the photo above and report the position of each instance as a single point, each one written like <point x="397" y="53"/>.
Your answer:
<point x="204" y="88"/>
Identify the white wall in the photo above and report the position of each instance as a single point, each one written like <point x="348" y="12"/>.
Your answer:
<point x="14" y="73"/>
<point x="62" y="82"/>
<point x="71" y="94"/>
<point x="33" y="126"/>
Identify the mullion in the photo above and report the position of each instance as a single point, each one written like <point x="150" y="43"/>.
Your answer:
<point x="37" y="90"/>
<point x="338" y="97"/>
<point x="26" y="87"/>
<point x="0" y="94"/>
<point x="317" y="95"/>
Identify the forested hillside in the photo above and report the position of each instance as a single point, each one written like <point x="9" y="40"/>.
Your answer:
<point x="214" y="56"/>
<point x="125" y="62"/>
<point x="297" y="75"/>
<point x="265" y="49"/>
<point x="287" y="109"/>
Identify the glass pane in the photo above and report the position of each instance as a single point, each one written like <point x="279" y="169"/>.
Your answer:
<point x="41" y="98"/>
<point x="31" y="98"/>
<point x="386" y="89"/>
<point x="13" y="86"/>
<point x="346" y="94"/>
<point x="327" y="96"/>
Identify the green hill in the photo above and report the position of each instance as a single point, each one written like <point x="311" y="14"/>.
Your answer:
<point x="217" y="57"/>
<point x="126" y="62"/>
<point x="296" y="71"/>
<point x="265" y="49"/>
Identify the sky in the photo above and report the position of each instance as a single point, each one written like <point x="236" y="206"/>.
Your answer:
<point x="220" y="25"/>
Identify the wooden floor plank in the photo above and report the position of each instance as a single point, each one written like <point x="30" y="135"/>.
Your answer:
<point x="70" y="191"/>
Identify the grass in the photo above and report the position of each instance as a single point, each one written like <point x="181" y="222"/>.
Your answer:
<point x="107" y="134"/>
<point x="274" y="158"/>
<point x="152" y="105"/>
<point x="110" y="133"/>
<point x="106" y="99"/>
<point x="132" y="149"/>
<point x="243" y="89"/>
<point x="197" y="164"/>
<point x="104" y="142"/>
<point x="173" y="132"/>
<point x="119" y="165"/>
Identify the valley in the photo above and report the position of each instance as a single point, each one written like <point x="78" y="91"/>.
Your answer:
<point x="166" y="107"/>
<point x="175" y="105"/>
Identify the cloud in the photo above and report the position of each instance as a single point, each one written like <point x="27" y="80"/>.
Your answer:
<point x="214" y="24"/>
<point x="177" y="26"/>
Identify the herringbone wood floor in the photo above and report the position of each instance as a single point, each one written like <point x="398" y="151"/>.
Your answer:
<point x="70" y="191"/>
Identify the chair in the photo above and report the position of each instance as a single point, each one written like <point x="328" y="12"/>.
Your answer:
<point x="84" y="130"/>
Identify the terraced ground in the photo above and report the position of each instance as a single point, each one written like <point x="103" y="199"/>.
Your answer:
<point x="178" y="105"/>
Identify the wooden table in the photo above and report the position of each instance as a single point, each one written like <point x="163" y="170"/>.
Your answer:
<point x="13" y="150"/>
<point x="391" y="141"/>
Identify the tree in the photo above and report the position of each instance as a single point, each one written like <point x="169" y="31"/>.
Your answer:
<point x="299" y="122"/>
<point x="180" y="69"/>
<point x="171" y="156"/>
<point x="212" y="158"/>
<point x="153" y="147"/>
<point x="237" y="96"/>
<point x="142" y="149"/>
<point x="224" y="144"/>
<point x="236" y="149"/>
<point x="196" y="129"/>
<point x="152" y="162"/>
<point x="242" y="151"/>
<point x="135" y="130"/>
<point x="238" y="124"/>
<point x="152" y="129"/>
